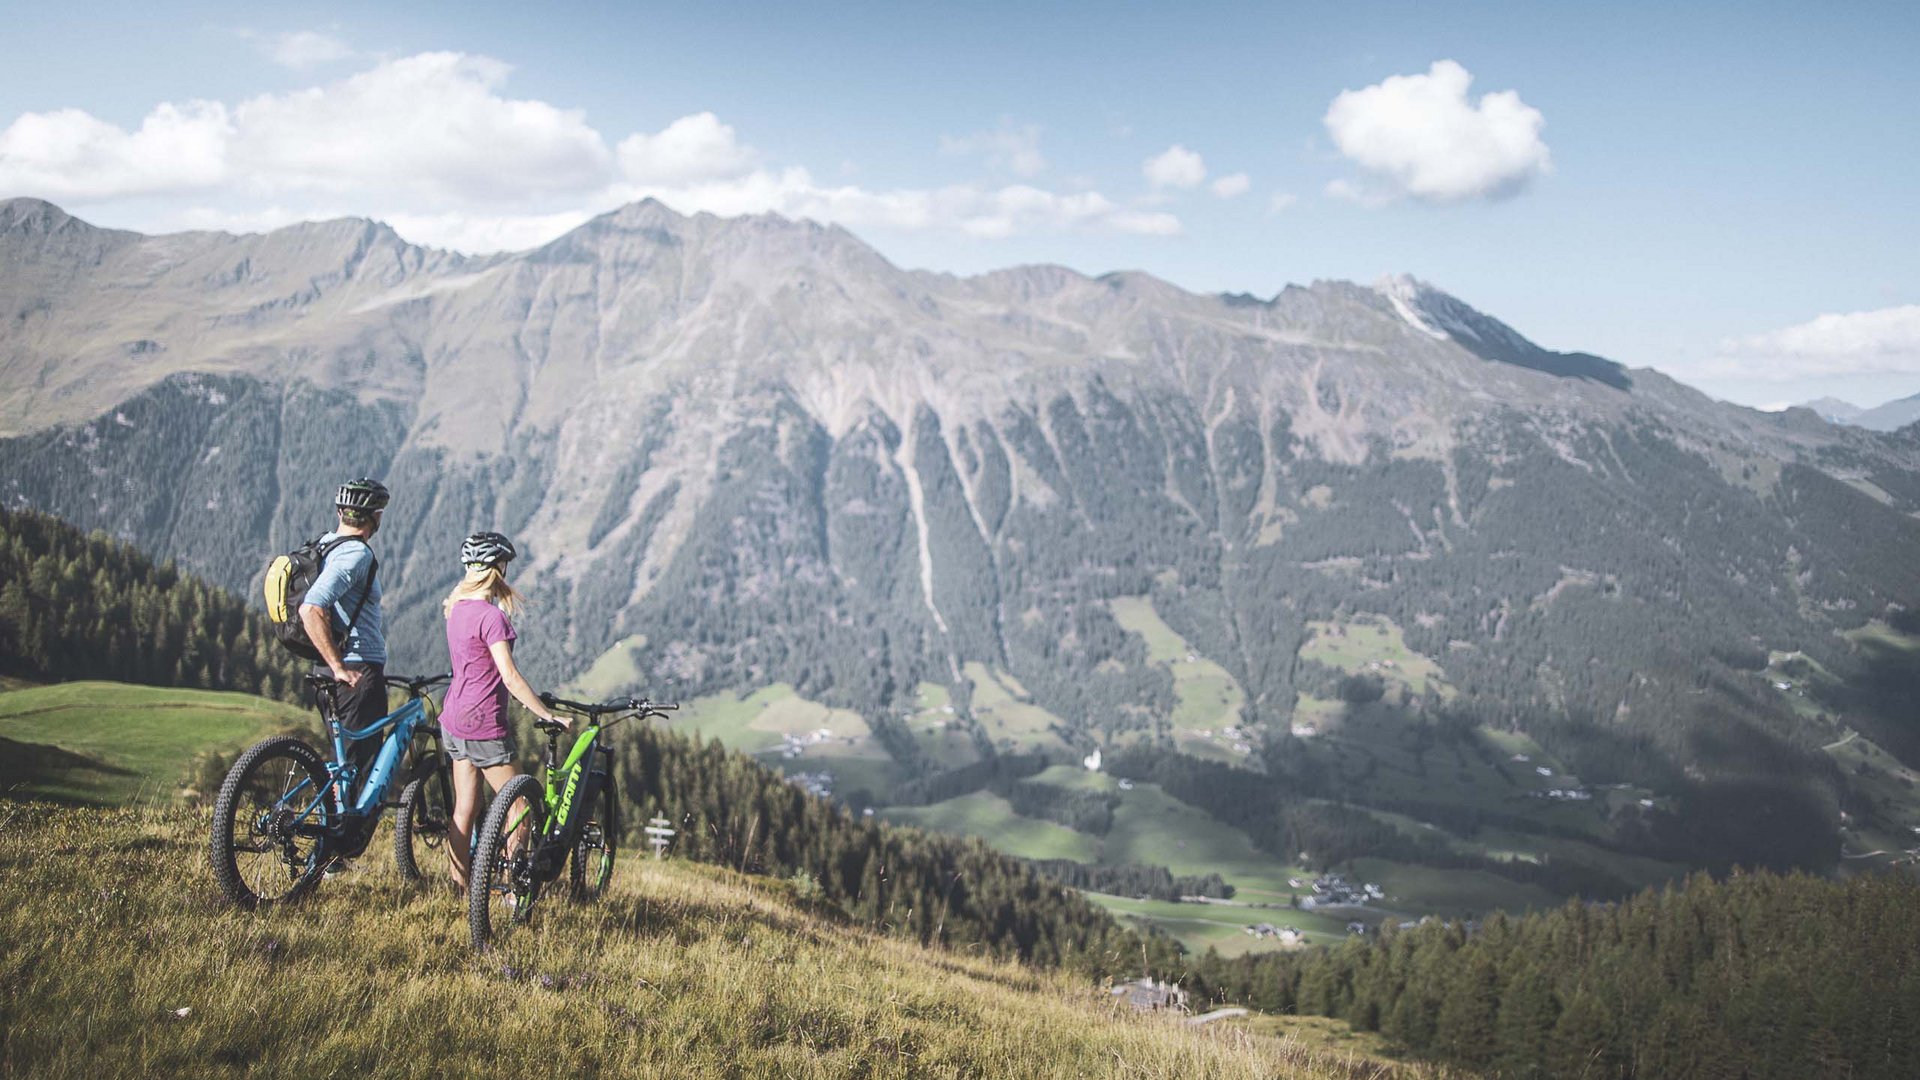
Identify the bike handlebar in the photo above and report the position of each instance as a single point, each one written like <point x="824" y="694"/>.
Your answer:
<point x="633" y="706"/>
<point x="415" y="686"/>
<point x="419" y="684"/>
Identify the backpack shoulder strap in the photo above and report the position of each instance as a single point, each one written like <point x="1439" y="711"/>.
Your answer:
<point x="325" y="548"/>
<point x="326" y="551"/>
<point x="367" y="592"/>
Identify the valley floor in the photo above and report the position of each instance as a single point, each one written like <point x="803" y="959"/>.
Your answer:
<point x="119" y="959"/>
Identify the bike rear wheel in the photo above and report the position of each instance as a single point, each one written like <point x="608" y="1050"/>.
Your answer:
<point x="264" y="849"/>
<point x="591" y="868"/>
<point x="504" y="886"/>
<point x="420" y="830"/>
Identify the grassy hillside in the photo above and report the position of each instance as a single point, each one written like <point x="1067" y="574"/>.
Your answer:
<point x="991" y="817"/>
<point x="684" y="970"/>
<point x="1154" y="829"/>
<point x="110" y="743"/>
<point x="1007" y="714"/>
<point x="1208" y="697"/>
<point x="785" y="731"/>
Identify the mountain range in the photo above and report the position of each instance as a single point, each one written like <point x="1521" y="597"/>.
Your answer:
<point x="1347" y="538"/>
<point x="1891" y="416"/>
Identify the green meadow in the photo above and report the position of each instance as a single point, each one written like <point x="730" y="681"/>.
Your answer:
<point x="111" y="743"/>
<point x="1208" y="698"/>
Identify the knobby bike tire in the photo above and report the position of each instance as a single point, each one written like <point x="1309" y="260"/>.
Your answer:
<point x="426" y="811"/>
<point x="498" y="873"/>
<point x="279" y="763"/>
<point x="591" y="863"/>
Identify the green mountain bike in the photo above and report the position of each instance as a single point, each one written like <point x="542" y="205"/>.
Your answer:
<point x="531" y="836"/>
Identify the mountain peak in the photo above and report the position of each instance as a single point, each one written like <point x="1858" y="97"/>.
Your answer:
<point x="36" y="216"/>
<point x="1890" y="416"/>
<point x="1443" y="317"/>
<point x="645" y="213"/>
<point x="1833" y="410"/>
<point x="353" y="227"/>
<point x="36" y="226"/>
<point x="1410" y="296"/>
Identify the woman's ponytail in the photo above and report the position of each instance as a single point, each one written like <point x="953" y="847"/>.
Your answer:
<point x="487" y="583"/>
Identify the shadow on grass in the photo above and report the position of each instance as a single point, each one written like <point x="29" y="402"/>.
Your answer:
<point x="1881" y="698"/>
<point x="48" y="773"/>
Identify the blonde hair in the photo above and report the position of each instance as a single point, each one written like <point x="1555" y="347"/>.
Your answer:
<point x="484" y="583"/>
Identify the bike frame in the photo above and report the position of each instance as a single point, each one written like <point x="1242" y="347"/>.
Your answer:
<point x="564" y="784"/>
<point x="405" y="722"/>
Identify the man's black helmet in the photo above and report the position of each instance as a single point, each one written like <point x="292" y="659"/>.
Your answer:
<point x="362" y="495"/>
<point x="487" y="549"/>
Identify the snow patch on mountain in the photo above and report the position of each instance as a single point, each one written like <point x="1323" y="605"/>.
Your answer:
<point x="1403" y="292"/>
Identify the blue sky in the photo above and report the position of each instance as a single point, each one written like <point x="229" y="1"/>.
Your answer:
<point x="1725" y="192"/>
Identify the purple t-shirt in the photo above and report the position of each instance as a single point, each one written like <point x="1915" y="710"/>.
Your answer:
<point x="476" y="702"/>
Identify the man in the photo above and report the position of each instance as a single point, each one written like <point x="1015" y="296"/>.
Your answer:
<point x="342" y="615"/>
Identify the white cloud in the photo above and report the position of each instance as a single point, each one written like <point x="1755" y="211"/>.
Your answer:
<point x="1233" y="185"/>
<point x="692" y="148"/>
<point x="433" y="145"/>
<point x="1419" y="136"/>
<point x="68" y="155"/>
<point x="1280" y="202"/>
<point x="433" y="123"/>
<point x="1885" y="341"/>
<point x="1178" y="167"/>
<point x="1014" y="149"/>
<point x="302" y="49"/>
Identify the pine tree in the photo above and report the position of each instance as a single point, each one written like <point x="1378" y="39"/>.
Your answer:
<point x="1581" y="1046"/>
<point x="1465" y="1026"/>
<point x="1525" y="1022"/>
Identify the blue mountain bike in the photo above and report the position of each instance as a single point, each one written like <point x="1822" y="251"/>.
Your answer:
<point x="285" y="814"/>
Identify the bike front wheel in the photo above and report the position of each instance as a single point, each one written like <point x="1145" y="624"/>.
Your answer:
<point x="504" y="884"/>
<point x="270" y="821"/>
<point x="591" y="864"/>
<point x="426" y="809"/>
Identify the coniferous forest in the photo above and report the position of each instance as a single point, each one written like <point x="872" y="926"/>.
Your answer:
<point x="1757" y="975"/>
<point x="75" y="605"/>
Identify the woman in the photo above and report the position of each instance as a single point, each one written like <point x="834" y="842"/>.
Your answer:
<point x="473" y="719"/>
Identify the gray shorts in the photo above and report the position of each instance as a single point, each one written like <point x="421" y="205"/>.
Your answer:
<point x="484" y="753"/>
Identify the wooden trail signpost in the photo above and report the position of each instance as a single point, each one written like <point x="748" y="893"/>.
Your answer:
<point x="659" y="834"/>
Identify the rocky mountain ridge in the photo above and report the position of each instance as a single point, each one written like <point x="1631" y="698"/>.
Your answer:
<point x="748" y="451"/>
<point x="1890" y="416"/>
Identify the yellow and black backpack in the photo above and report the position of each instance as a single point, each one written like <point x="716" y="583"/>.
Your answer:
<point x="289" y="577"/>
